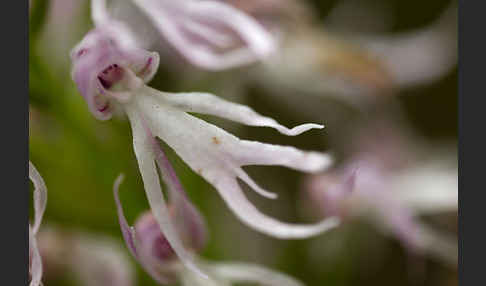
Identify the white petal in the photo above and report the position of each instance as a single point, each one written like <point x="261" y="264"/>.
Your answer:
<point x="244" y="272"/>
<point x="206" y="103"/>
<point x="145" y="157"/>
<point x="218" y="156"/>
<point x="199" y="29"/>
<point x="40" y="196"/>
<point x="428" y="189"/>
<point x="99" y="12"/>
<point x="35" y="260"/>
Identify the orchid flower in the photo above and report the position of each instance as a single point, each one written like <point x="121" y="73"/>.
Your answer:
<point x="151" y="248"/>
<point x="111" y="72"/>
<point x="393" y="199"/>
<point x="40" y="201"/>
<point x="94" y="260"/>
<point x="209" y="34"/>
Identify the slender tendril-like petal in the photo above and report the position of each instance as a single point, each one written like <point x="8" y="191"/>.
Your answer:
<point x="35" y="260"/>
<point x="130" y="237"/>
<point x="216" y="154"/>
<point x="244" y="272"/>
<point x="146" y="161"/>
<point x="40" y="196"/>
<point x="127" y="230"/>
<point x="206" y="103"/>
<point x="251" y="216"/>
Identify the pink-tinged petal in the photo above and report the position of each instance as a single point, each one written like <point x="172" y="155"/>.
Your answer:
<point x="35" y="261"/>
<point x="106" y="55"/>
<point x="206" y="103"/>
<point x="146" y="161"/>
<point x="210" y="34"/>
<point x="127" y="231"/>
<point x="252" y="273"/>
<point x="218" y="157"/>
<point x="40" y="196"/>
<point x="142" y="253"/>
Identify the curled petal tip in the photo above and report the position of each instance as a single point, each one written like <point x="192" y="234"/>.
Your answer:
<point x="297" y="130"/>
<point x="317" y="162"/>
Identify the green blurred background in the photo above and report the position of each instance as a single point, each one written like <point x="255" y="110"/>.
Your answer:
<point x="80" y="157"/>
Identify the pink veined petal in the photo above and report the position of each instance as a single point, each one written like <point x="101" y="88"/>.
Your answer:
<point x="218" y="156"/>
<point x="206" y="103"/>
<point x="246" y="272"/>
<point x="146" y="160"/>
<point x="40" y="196"/>
<point x="199" y="30"/>
<point x="35" y="260"/>
<point x="140" y="253"/>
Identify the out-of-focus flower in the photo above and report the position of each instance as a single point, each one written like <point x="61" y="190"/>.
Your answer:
<point x="310" y="60"/>
<point x="393" y="188"/>
<point x="40" y="201"/>
<point x="150" y="247"/>
<point x="93" y="260"/>
<point x="278" y="16"/>
<point x="417" y="57"/>
<point x="355" y="67"/>
<point x="111" y="71"/>
<point x="209" y="34"/>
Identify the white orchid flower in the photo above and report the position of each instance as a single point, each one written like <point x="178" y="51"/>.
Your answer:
<point x="111" y="72"/>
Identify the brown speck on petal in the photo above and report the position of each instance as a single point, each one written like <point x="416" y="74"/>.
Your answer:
<point x="216" y="140"/>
